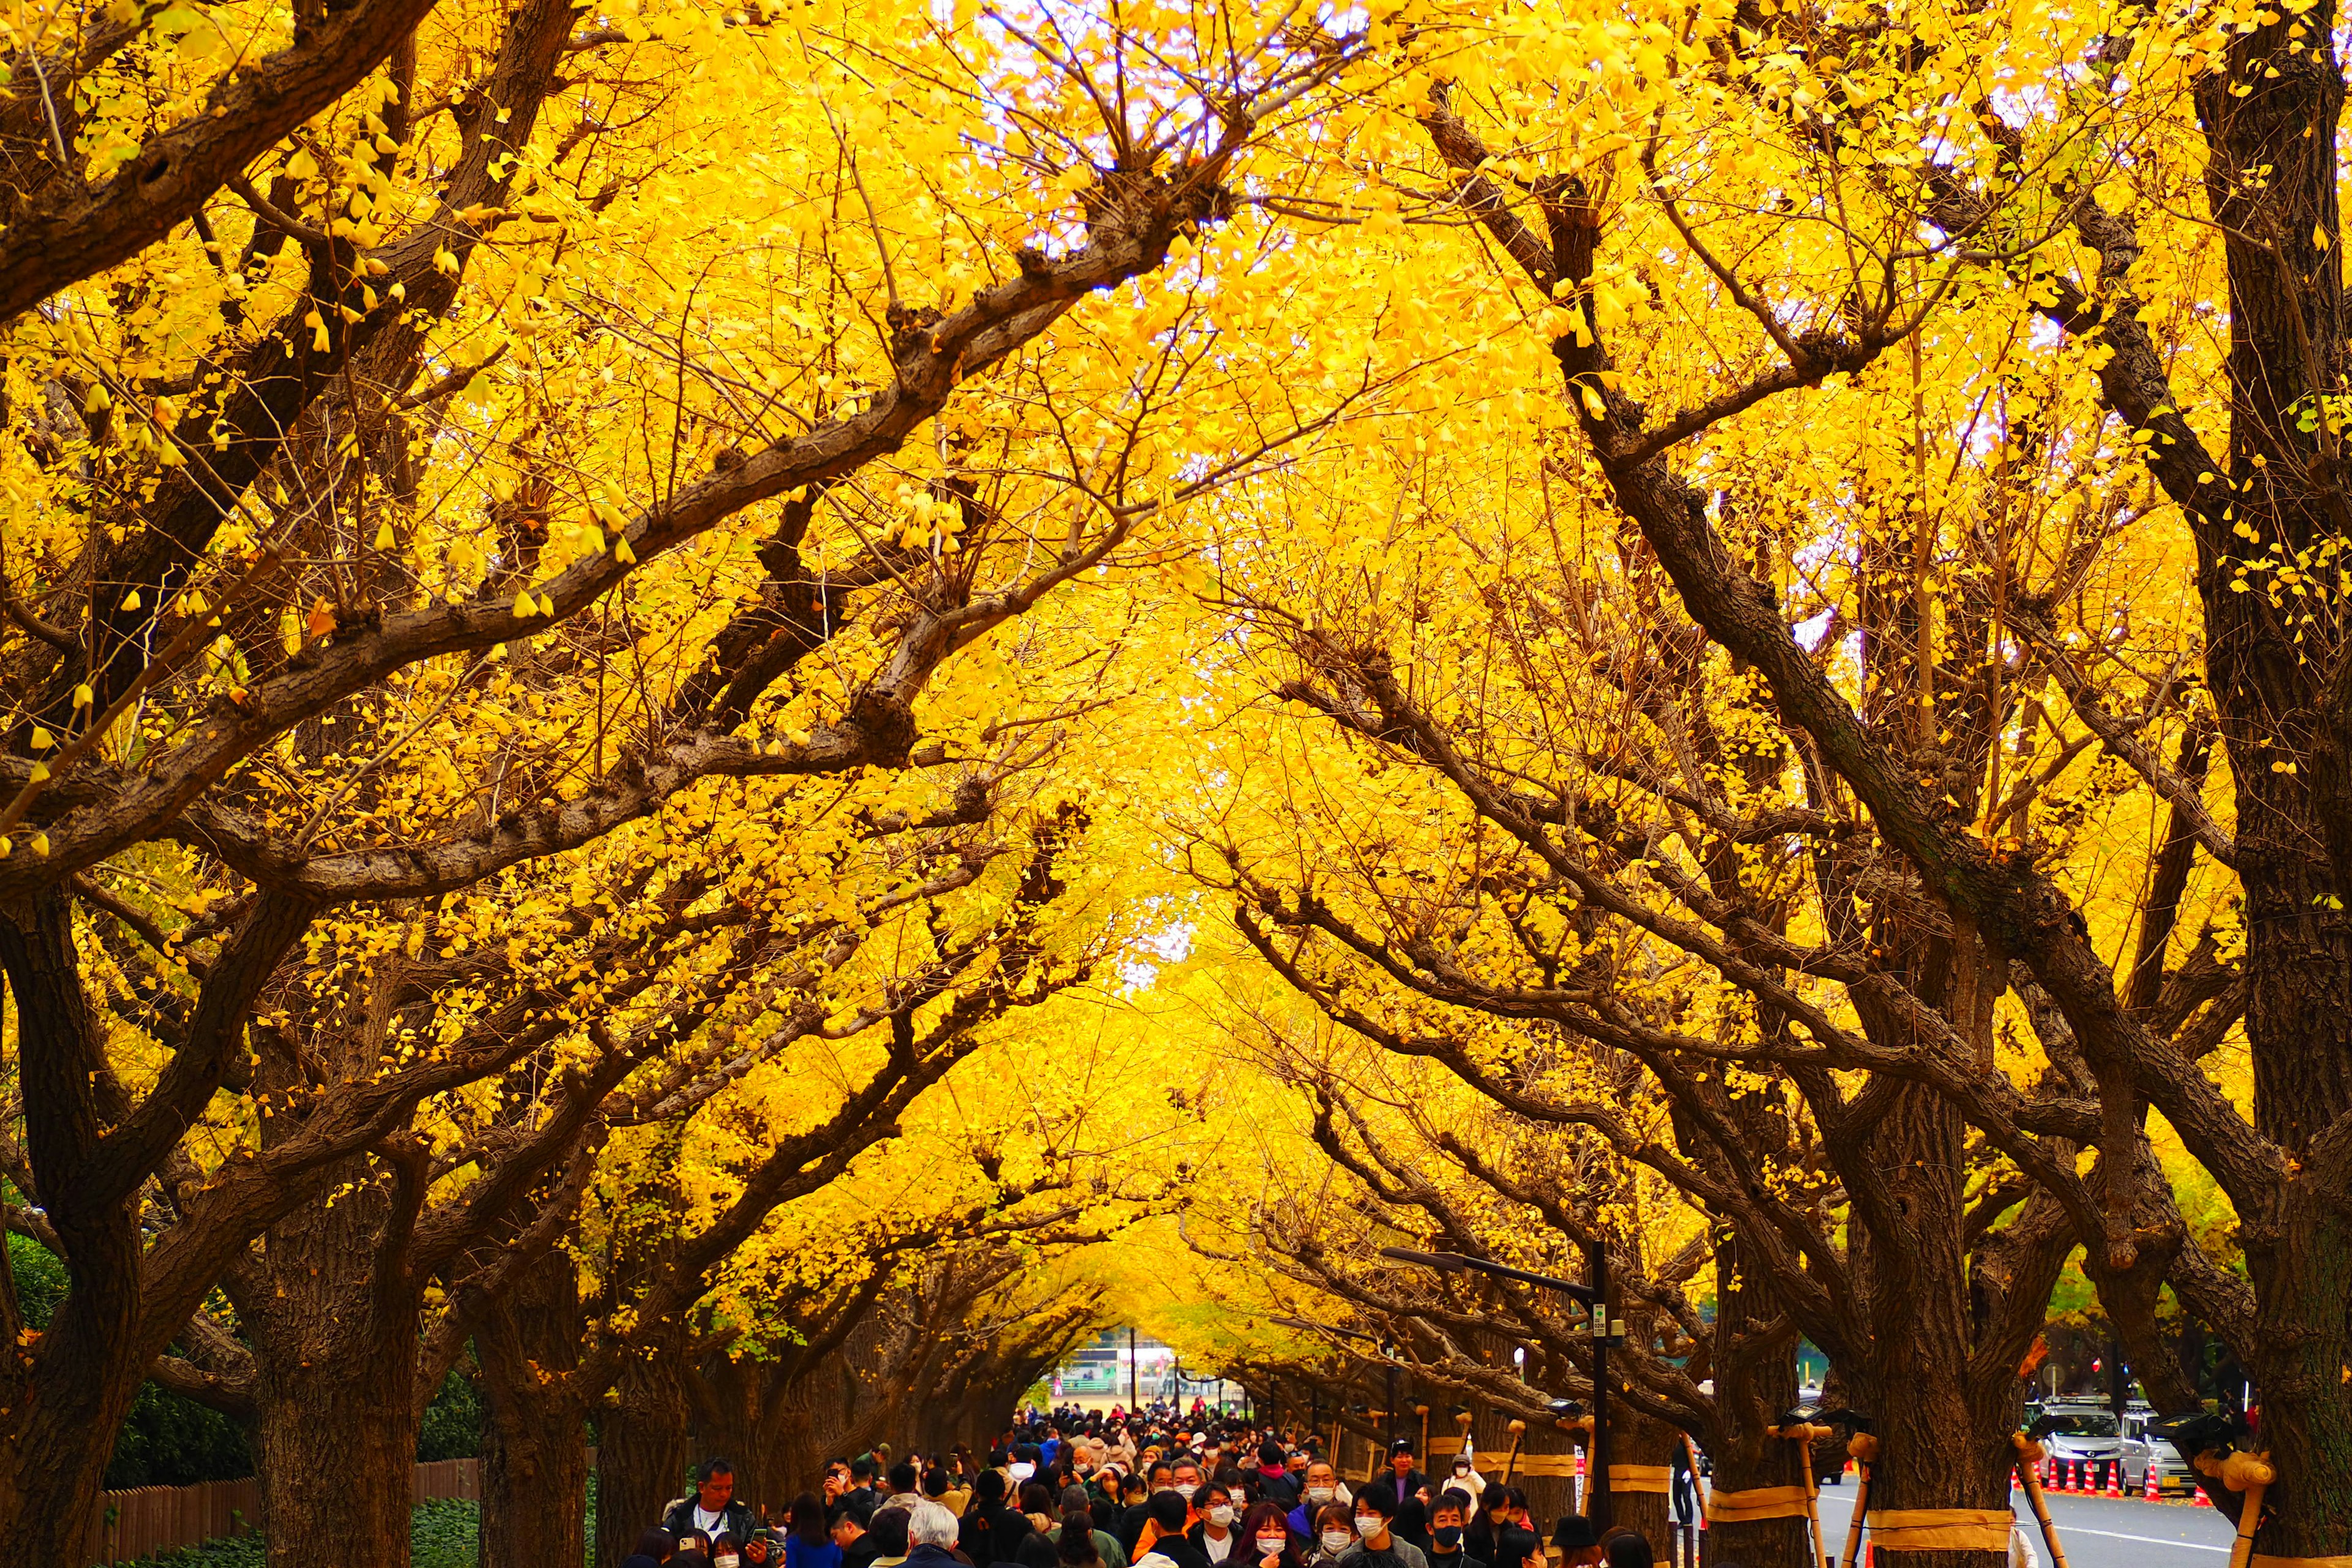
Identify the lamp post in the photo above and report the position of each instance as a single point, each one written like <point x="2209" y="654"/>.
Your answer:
<point x="1595" y="1300"/>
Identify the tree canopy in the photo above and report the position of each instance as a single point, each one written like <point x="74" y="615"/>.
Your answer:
<point x="693" y="687"/>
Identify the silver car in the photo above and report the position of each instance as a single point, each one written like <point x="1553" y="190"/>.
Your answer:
<point x="2141" y="1449"/>
<point x="2083" y="1433"/>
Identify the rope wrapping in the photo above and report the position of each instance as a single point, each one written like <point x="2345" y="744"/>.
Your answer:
<point x="1939" y="1530"/>
<point x="1641" y="1478"/>
<point x="1756" y="1502"/>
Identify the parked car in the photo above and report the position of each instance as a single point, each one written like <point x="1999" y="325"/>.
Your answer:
<point x="2083" y="1432"/>
<point x="2142" y="1448"/>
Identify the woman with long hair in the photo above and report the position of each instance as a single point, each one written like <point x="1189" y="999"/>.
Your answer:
<point x="1266" y="1541"/>
<point x="1077" y="1546"/>
<point x="808" y="1542"/>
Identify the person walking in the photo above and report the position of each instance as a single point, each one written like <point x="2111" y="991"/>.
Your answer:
<point x="1377" y="1542"/>
<point x="1447" y="1522"/>
<point x="1164" y="1531"/>
<point x="1216" y="1536"/>
<point x="1335" y="1535"/>
<point x="1322" y="1489"/>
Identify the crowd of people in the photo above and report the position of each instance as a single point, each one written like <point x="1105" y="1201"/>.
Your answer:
<point x="1157" y="1488"/>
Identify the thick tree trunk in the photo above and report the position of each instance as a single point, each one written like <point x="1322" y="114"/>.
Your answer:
<point x="641" y="1452"/>
<point x="740" y="1410"/>
<point x="1755" y="1385"/>
<point x="66" y="1399"/>
<point x="1934" y="1451"/>
<point x="333" y="1324"/>
<point x="1640" y="1442"/>
<point x="2270" y="119"/>
<point x="534" y="1443"/>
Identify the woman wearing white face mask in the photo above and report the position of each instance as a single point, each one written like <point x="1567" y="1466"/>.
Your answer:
<point x="1215" y="1535"/>
<point x="1335" y="1534"/>
<point x="1266" y="1541"/>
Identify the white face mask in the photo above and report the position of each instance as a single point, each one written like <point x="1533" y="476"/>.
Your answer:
<point x="1221" y="1515"/>
<point x="1267" y="1545"/>
<point x="1186" y="1488"/>
<point x="1022" y="1471"/>
<point x="727" y="1562"/>
<point x="1368" y="1525"/>
<point x="1322" y="1494"/>
<point x="1337" y="1540"/>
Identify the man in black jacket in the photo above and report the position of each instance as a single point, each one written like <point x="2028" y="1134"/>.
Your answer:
<point x="1447" y="1515"/>
<point x="1402" y="1479"/>
<point x="712" y="1509"/>
<point x="1169" y="1510"/>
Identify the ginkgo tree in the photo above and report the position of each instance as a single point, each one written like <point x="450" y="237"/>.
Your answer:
<point x="577" y="411"/>
<point x="1883" y="333"/>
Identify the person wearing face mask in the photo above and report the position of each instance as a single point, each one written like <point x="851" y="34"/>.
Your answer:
<point x="1215" y="1535"/>
<point x="1184" y="1478"/>
<point x="1266" y="1541"/>
<point x="1483" y="1538"/>
<point x="1335" y="1535"/>
<point x="725" y="1552"/>
<point x="1323" y="1490"/>
<point x="1446" y="1519"/>
<point x="1464" y="1478"/>
<point x="1378" y="1545"/>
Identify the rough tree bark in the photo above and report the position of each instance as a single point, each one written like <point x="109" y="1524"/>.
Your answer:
<point x="641" y="1449"/>
<point x="534" y="1456"/>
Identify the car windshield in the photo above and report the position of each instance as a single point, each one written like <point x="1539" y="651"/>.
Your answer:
<point x="2082" y="1423"/>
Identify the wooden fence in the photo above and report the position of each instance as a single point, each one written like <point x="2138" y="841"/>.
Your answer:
<point x="148" y="1519"/>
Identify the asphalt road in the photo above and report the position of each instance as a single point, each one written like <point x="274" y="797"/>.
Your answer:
<point x="2097" y="1532"/>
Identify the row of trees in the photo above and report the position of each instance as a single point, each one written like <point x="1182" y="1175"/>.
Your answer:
<point x="1860" y="771"/>
<point x="571" y="578"/>
<point x="556" y="560"/>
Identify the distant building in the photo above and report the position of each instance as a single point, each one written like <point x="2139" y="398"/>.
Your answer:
<point x="1100" y="1373"/>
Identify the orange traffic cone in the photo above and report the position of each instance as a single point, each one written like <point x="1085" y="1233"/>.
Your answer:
<point x="2150" y="1490"/>
<point x="2116" y="1478"/>
<point x="2196" y="1498"/>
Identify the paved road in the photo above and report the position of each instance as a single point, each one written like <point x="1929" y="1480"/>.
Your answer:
<point x="2097" y="1532"/>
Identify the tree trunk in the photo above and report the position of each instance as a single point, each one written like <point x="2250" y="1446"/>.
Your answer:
<point x="1637" y="1440"/>
<point x="740" y="1408"/>
<point x="1755" y="1385"/>
<point x="66" y="1399"/>
<point x="1933" y="1451"/>
<point x="641" y="1451"/>
<point x="333" y="1324"/>
<point x="534" y="1445"/>
<point x="2270" y="114"/>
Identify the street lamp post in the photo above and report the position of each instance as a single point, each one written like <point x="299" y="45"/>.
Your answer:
<point x="1595" y="1299"/>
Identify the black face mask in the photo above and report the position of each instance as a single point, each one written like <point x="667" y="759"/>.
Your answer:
<point x="1449" y="1536"/>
